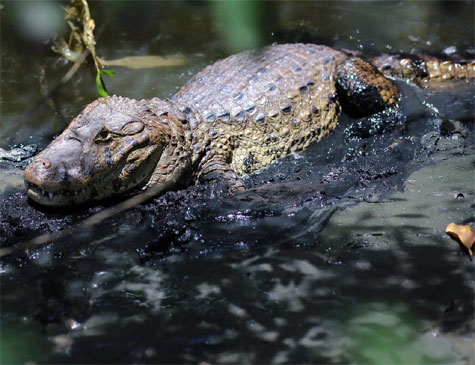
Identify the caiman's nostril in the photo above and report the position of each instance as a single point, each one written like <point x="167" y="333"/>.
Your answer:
<point x="45" y="162"/>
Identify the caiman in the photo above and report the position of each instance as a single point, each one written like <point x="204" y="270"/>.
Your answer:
<point x="234" y="117"/>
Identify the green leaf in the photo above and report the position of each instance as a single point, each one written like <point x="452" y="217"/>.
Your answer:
<point x="108" y="73"/>
<point x="101" y="87"/>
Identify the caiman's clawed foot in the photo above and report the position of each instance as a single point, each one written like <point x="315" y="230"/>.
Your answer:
<point x="216" y="170"/>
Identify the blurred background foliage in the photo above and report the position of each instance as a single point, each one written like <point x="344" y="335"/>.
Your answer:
<point x="244" y="24"/>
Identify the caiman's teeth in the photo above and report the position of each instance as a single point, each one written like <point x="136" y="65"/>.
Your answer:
<point x="52" y="194"/>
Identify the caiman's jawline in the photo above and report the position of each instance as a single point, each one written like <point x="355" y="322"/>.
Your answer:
<point x="57" y="198"/>
<point x="82" y="195"/>
<point x="66" y="197"/>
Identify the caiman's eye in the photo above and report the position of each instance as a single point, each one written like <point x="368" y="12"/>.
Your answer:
<point x="104" y="136"/>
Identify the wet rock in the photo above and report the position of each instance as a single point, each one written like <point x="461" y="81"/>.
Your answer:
<point x="453" y="129"/>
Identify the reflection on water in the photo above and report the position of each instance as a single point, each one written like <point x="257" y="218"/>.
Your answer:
<point x="199" y="276"/>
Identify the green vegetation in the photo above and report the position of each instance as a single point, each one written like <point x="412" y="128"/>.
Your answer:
<point x="101" y="87"/>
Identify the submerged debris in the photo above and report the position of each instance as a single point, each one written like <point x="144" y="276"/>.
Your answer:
<point x="141" y="62"/>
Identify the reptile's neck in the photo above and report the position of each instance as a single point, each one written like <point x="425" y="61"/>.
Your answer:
<point x="178" y="163"/>
<point x="190" y="123"/>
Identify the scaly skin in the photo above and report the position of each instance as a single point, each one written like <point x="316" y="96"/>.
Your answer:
<point x="234" y="117"/>
<point x="425" y="70"/>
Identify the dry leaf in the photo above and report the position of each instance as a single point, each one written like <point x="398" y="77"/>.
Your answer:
<point x="464" y="234"/>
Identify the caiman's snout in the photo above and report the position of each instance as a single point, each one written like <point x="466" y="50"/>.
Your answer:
<point x="40" y="176"/>
<point x="36" y="173"/>
<point x="48" y="178"/>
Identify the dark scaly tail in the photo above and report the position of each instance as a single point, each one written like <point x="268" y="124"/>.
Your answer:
<point x="425" y="70"/>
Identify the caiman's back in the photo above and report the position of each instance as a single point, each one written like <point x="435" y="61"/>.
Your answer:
<point x="254" y="107"/>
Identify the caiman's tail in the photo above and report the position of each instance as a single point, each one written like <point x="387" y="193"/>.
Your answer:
<point x="425" y="70"/>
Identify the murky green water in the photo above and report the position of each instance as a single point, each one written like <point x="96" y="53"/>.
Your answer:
<point x="281" y="275"/>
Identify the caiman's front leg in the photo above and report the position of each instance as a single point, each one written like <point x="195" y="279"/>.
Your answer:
<point x="216" y="168"/>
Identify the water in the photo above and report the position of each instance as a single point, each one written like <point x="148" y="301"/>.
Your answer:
<point x="334" y="255"/>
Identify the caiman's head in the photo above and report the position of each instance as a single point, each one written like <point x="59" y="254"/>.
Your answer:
<point x="113" y="147"/>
